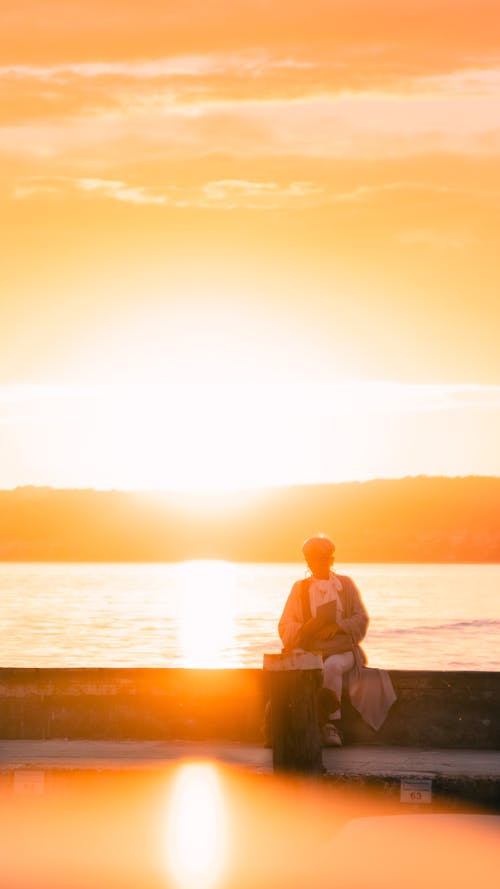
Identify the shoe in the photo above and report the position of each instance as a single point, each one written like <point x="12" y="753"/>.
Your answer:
<point x="330" y="735"/>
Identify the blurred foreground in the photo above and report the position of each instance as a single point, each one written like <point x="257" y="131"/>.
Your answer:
<point x="198" y="825"/>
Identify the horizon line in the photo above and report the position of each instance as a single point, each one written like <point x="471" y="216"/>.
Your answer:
<point x="189" y="492"/>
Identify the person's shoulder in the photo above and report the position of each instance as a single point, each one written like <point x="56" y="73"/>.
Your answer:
<point x="346" y="581"/>
<point x="343" y="577"/>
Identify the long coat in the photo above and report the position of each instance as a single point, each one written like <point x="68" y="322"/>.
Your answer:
<point x="370" y="689"/>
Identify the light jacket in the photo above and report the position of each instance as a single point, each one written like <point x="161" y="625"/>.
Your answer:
<point x="353" y="621"/>
<point x="370" y="689"/>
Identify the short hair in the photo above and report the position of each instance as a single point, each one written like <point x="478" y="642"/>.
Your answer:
<point x="318" y="545"/>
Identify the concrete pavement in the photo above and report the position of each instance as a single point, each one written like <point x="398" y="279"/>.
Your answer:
<point x="349" y="761"/>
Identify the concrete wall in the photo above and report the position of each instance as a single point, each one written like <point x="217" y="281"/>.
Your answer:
<point x="434" y="709"/>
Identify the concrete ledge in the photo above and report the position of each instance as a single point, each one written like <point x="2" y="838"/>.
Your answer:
<point x="434" y="709"/>
<point x="131" y="703"/>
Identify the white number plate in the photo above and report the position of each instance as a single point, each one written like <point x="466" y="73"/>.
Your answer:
<point x="416" y="790"/>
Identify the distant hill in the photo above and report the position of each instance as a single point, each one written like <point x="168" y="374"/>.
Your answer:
<point x="421" y="519"/>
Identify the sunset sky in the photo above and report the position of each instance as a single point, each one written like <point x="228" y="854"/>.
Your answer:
<point x="248" y="243"/>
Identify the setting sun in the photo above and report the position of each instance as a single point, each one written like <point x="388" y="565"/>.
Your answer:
<point x="215" y="436"/>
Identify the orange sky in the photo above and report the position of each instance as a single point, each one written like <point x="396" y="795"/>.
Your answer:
<point x="248" y="242"/>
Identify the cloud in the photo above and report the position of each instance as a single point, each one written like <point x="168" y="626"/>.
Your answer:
<point x="224" y="74"/>
<point x="477" y="81"/>
<point x="113" y="189"/>
<point x="119" y="191"/>
<point x="224" y="193"/>
<point x="129" y="85"/>
<point x="238" y="65"/>
<point x="241" y="193"/>
<point x="349" y="126"/>
<point x="271" y="195"/>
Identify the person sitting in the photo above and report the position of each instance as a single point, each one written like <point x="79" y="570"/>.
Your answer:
<point x="325" y="614"/>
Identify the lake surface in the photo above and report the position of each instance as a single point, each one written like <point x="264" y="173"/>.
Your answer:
<point x="221" y="614"/>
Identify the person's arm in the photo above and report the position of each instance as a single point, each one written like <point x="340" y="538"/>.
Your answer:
<point x="291" y="621"/>
<point x="357" y="624"/>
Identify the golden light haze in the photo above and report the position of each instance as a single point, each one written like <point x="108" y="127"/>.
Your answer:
<point x="248" y="243"/>
<point x="156" y="826"/>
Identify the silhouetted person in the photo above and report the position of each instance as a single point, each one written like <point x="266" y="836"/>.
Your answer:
<point x="325" y="614"/>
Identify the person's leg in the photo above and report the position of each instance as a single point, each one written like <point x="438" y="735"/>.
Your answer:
<point x="328" y="702"/>
<point x="334" y="668"/>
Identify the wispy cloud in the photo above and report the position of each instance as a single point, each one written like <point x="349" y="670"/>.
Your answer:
<point x="254" y="193"/>
<point x="119" y="191"/>
<point x="355" y="125"/>
<point x="255" y="63"/>
<point x="193" y="66"/>
<point x="224" y="193"/>
<point x="468" y="80"/>
<point x="222" y="72"/>
<point x="109" y="188"/>
<point x="383" y="99"/>
<point x="237" y="192"/>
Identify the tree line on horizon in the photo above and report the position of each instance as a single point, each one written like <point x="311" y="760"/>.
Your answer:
<point x="419" y="519"/>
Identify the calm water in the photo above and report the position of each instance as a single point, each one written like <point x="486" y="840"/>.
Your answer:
<point x="215" y="614"/>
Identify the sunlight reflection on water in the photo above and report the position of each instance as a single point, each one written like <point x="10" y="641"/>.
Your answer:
<point x="212" y="614"/>
<point x="206" y="613"/>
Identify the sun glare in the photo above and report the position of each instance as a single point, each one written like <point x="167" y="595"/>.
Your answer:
<point x="208" y="438"/>
<point x="205" y="613"/>
<point x="215" y="438"/>
<point x="196" y="828"/>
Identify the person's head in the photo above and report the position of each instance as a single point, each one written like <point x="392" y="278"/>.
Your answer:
<point x="319" y="553"/>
